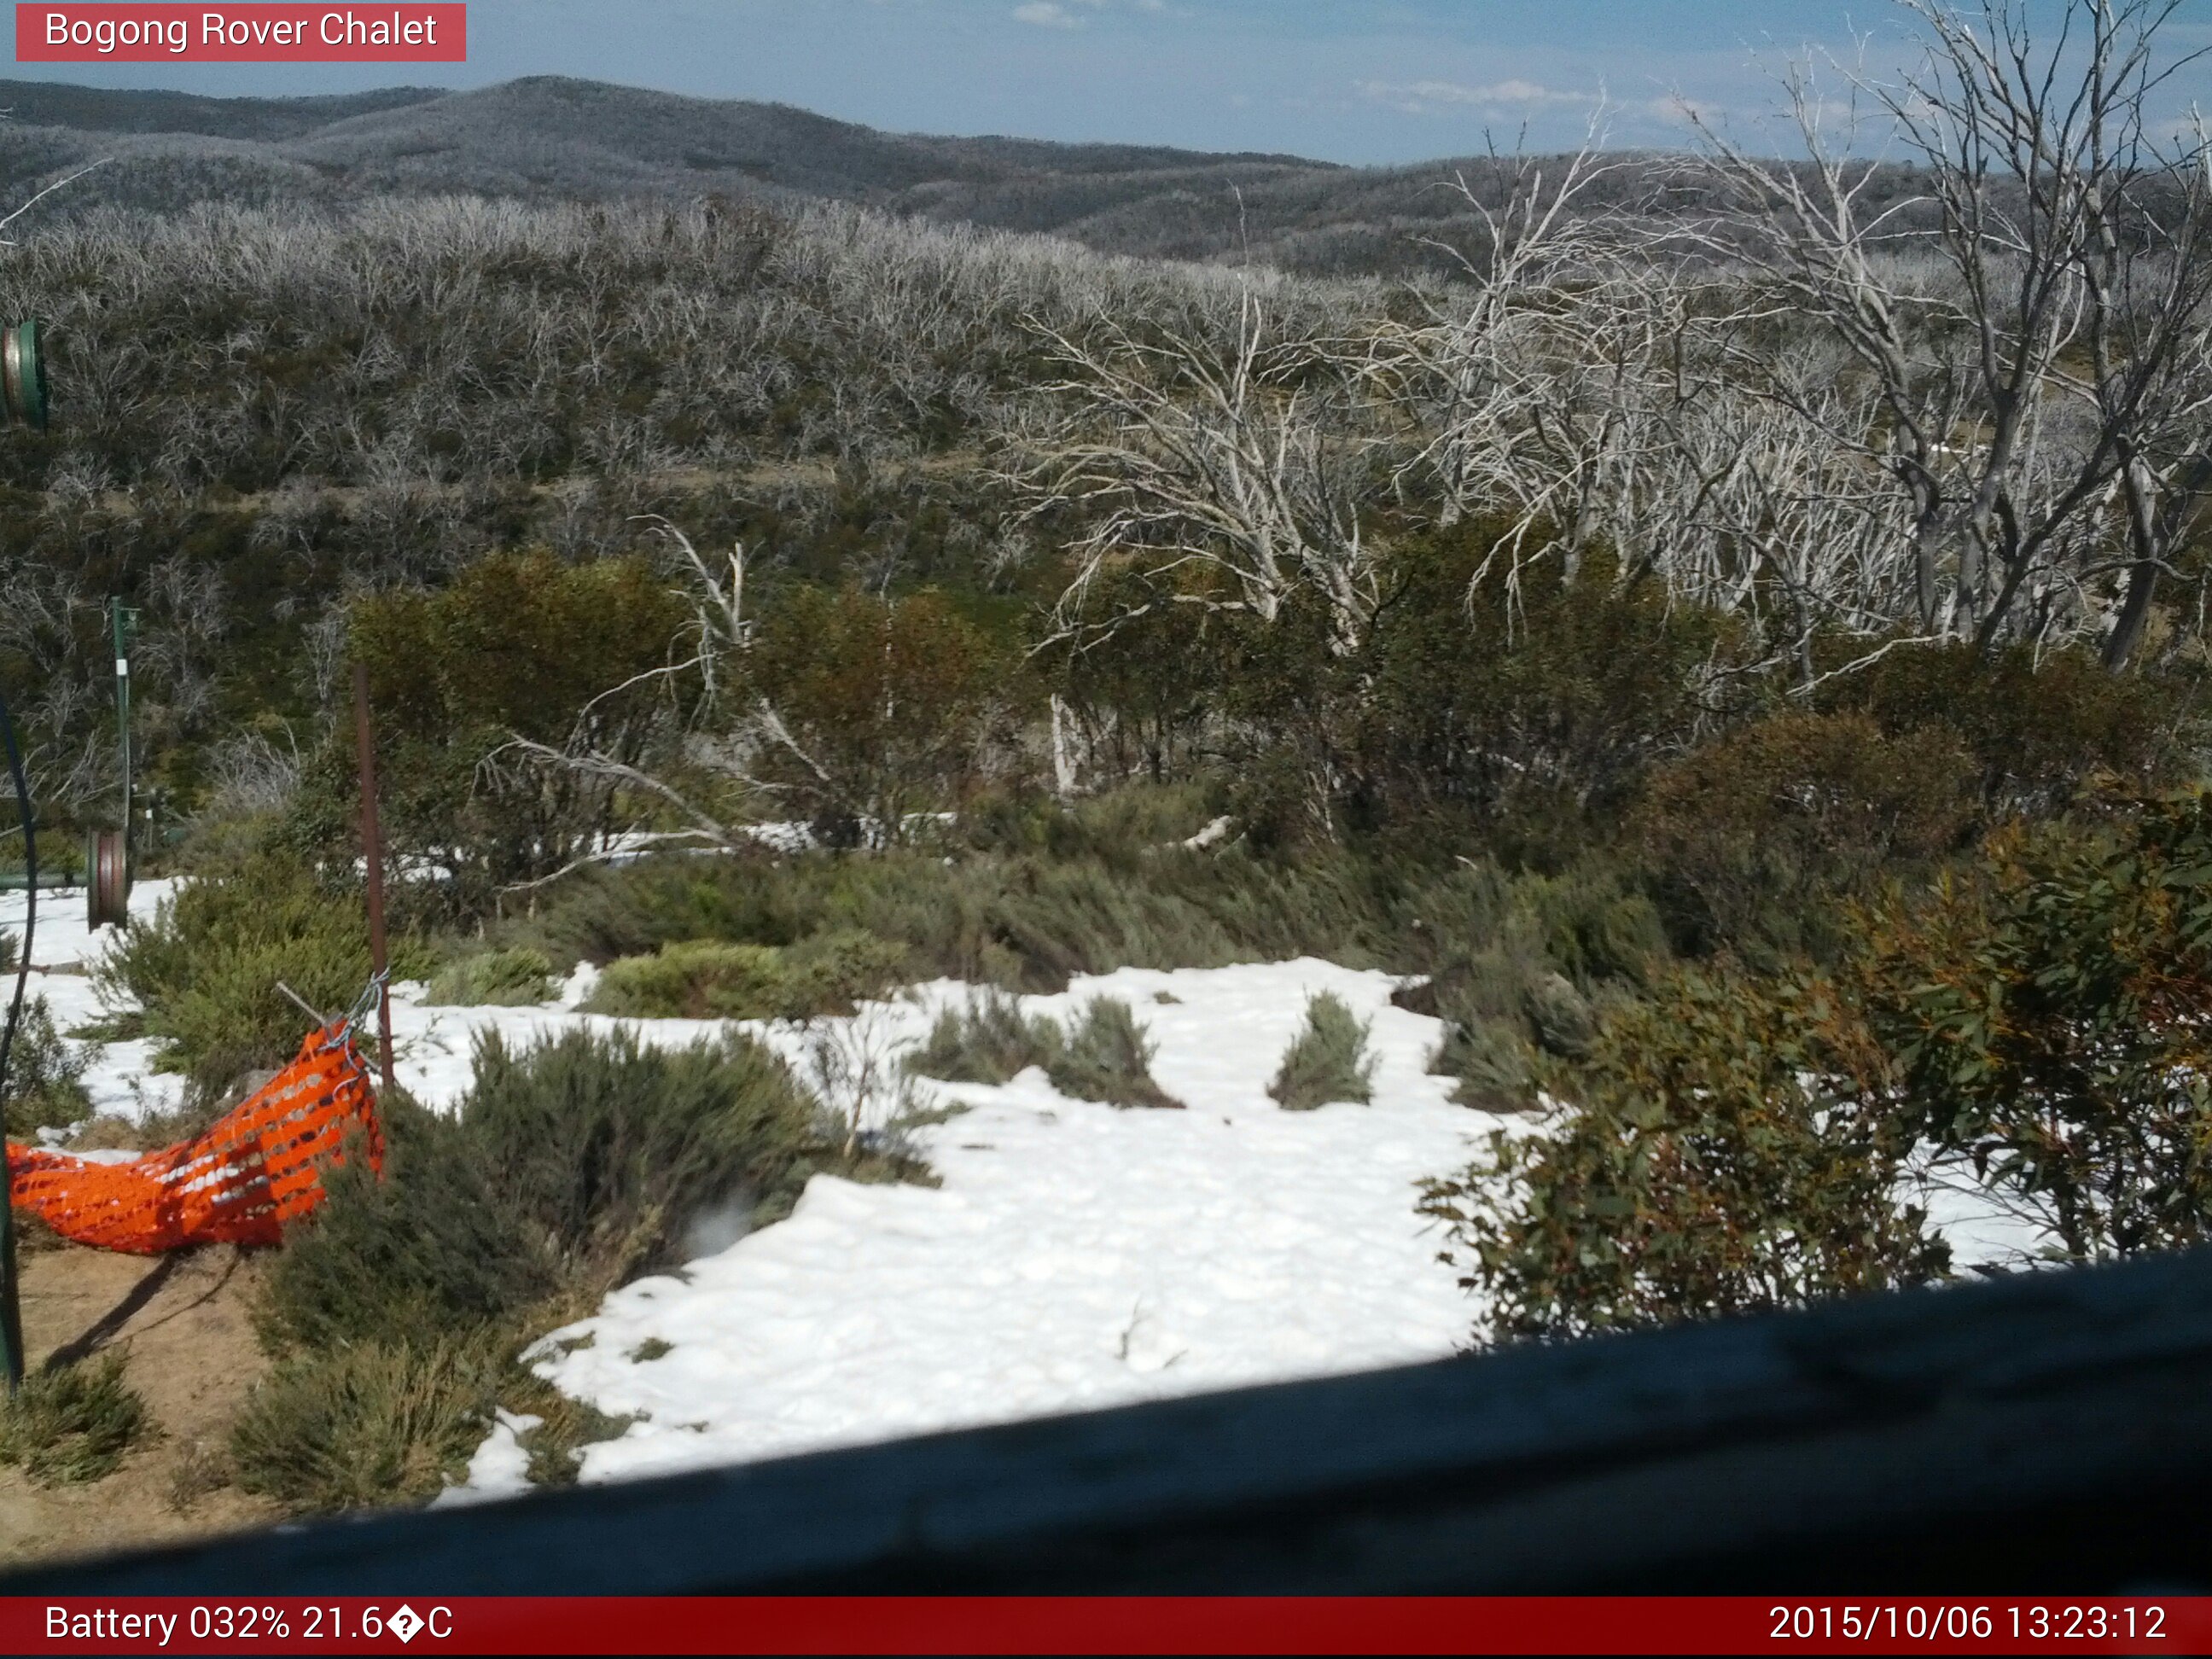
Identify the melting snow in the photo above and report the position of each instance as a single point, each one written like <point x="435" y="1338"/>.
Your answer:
<point x="1074" y="1256"/>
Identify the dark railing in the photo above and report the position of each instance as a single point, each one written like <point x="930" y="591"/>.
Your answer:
<point x="2049" y="1433"/>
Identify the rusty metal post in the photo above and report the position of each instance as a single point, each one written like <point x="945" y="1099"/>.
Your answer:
<point x="372" y="852"/>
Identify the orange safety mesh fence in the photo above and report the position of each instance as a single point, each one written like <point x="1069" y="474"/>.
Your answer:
<point x="240" y="1180"/>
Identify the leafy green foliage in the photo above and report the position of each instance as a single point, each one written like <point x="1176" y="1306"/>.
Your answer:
<point x="1579" y="684"/>
<point x="71" y="1425"/>
<point x="1327" y="1061"/>
<point x="569" y="1168"/>
<point x="1759" y="832"/>
<point x="1733" y="1140"/>
<point x="1519" y="966"/>
<point x="2048" y="1013"/>
<point x="2037" y="723"/>
<point x="1026" y="921"/>
<point x="881" y="702"/>
<point x="1108" y="1057"/>
<point x="517" y="645"/>
<point x="1728" y="1147"/>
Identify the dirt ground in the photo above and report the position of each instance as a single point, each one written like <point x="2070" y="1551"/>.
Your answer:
<point x="182" y="1319"/>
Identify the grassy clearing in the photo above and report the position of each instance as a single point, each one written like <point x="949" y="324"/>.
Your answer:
<point x="1327" y="1061"/>
<point x="73" y="1425"/>
<point x="1107" y="1057"/>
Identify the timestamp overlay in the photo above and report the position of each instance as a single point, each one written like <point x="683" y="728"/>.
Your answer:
<point x="2180" y="1624"/>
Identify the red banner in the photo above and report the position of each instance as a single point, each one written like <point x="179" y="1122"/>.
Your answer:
<point x="1090" y="1624"/>
<point x="86" y="33"/>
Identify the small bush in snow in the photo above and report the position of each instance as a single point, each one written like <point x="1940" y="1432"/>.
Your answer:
<point x="864" y="1090"/>
<point x="695" y="979"/>
<point x="73" y="1425"/>
<point x="205" y="968"/>
<point x="1492" y="1064"/>
<point x="567" y="1168"/>
<point x="989" y="1041"/>
<point x="1327" y="1060"/>
<point x="1107" y="1057"/>
<point x="45" y="1073"/>
<point x="506" y="979"/>
<point x="708" y="979"/>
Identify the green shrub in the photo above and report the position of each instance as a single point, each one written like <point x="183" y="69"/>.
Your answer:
<point x="1327" y="1061"/>
<point x="830" y="972"/>
<point x="884" y="698"/>
<point x="2039" y="722"/>
<point x="438" y="1247"/>
<point x="568" y="1167"/>
<point x="1518" y="962"/>
<point x="555" y="1443"/>
<point x="507" y="979"/>
<point x="1729" y="1147"/>
<point x="695" y="979"/>
<point x="383" y="1423"/>
<point x="1755" y="834"/>
<point x="1107" y="1057"/>
<point x="1100" y="894"/>
<point x="72" y="1424"/>
<point x="205" y="968"/>
<point x="519" y="642"/>
<point x="1537" y="736"/>
<point x="707" y="979"/>
<point x="45" y="1073"/>
<point x="989" y="1041"/>
<point x="1492" y="1064"/>
<point x="2047" y="1013"/>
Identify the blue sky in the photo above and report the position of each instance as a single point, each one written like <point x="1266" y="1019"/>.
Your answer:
<point x="1357" y="81"/>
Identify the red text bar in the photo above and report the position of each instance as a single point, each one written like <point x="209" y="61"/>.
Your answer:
<point x="287" y="33"/>
<point x="1092" y="1624"/>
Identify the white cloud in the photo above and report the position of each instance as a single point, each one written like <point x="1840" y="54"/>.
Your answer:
<point x="1517" y="99"/>
<point x="1422" y="97"/>
<point x="1062" y="14"/>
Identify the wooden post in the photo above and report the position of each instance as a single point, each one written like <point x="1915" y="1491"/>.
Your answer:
<point x="11" y="1316"/>
<point x="372" y="852"/>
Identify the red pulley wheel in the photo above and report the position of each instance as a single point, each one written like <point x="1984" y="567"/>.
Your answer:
<point x="108" y="895"/>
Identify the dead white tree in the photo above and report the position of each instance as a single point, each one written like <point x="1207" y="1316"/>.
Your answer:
<point x="1526" y="383"/>
<point x="2043" y="402"/>
<point x="1244" y="459"/>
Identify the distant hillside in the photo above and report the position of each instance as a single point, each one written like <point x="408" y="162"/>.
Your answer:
<point x="547" y="137"/>
<point x="100" y="109"/>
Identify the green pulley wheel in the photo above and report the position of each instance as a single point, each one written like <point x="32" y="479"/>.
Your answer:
<point x="23" y="375"/>
<point x="108" y="891"/>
